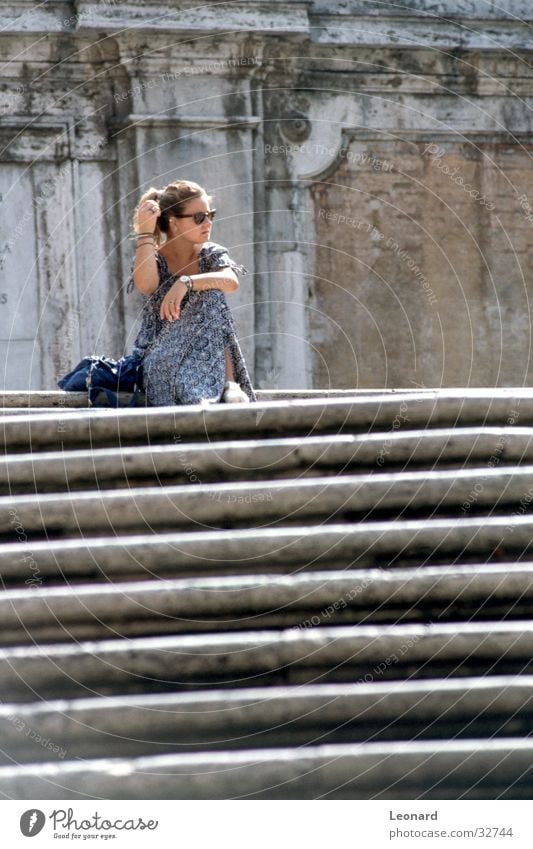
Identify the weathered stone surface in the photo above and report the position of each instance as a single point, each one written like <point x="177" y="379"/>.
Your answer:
<point x="192" y="462"/>
<point x="198" y="462"/>
<point x="30" y="400"/>
<point x="284" y="549"/>
<point x="268" y="716"/>
<point x="250" y="658"/>
<point x="269" y="503"/>
<point x="359" y="414"/>
<point x="471" y="769"/>
<point x="360" y="635"/>
<point x="304" y="601"/>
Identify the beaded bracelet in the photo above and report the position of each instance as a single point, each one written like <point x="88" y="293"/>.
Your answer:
<point x="137" y="235"/>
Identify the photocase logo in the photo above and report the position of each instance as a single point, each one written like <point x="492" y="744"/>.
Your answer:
<point x="32" y="822"/>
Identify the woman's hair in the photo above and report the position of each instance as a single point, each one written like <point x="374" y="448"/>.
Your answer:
<point x="170" y="199"/>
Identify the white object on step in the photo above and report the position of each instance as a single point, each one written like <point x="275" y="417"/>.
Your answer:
<point x="233" y="394"/>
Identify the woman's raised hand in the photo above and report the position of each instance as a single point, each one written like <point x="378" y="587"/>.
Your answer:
<point x="146" y="217"/>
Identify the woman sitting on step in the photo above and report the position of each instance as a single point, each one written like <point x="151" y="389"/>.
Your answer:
<point x="187" y="337"/>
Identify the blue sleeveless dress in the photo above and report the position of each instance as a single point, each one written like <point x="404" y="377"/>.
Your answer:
<point x="183" y="360"/>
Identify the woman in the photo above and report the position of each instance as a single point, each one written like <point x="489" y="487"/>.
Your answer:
<point x="187" y="338"/>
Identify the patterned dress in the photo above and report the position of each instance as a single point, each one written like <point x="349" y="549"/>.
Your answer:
<point x="183" y="360"/>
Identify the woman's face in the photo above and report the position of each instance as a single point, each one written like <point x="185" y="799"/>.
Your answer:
<point x="187" y="228"/>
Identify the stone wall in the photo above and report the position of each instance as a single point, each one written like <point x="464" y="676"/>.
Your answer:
<point x="371" y="167"/>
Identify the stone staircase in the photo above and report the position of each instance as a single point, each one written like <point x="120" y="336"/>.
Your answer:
<point x="306" y="597"/>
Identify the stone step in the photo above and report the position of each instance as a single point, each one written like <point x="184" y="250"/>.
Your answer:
<point x="133" y="726"/>
<point x="469" y="769"/>
<point x="255" y="658"/>
<point x="190" y="462"/>
<point x="195" y="462"/>
<point x="316" y="599"/>
<point x="268" y="503"/>
<point x="51" y="399"/>
<point x="25" y="411"/>
<point x="283" y="550"/>
<point x="357" y="414"/>
<point x="307" y="596"/>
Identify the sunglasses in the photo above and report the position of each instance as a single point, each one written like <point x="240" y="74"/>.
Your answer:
<point x="199" y="217"/>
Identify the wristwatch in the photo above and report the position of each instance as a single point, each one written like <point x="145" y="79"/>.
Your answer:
<point x="187" y="280"/>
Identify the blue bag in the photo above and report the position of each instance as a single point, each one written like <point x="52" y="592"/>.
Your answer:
<point x="104" y="374"/>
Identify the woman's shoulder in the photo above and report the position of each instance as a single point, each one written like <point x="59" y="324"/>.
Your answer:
<point x="211" y="247"/>
<point x="215" y="256"/>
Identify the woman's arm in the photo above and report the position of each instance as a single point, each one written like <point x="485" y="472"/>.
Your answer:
<point x="224" y="280"/>
<point x="145" y="271"/>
